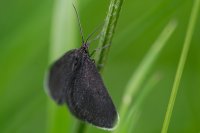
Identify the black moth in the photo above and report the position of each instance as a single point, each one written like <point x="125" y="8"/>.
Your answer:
<point x="73" y="79"/>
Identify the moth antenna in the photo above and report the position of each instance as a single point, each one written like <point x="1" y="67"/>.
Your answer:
<point x="95" y="30"/>
<point x="79" y="22"/>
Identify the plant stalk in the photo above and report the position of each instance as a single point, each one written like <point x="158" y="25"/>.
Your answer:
<point x="108" y="33"/>
<point x="181" y="65"/>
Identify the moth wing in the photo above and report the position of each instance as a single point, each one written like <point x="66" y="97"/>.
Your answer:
<point x="89" y="100"/>
<point x="59" y="77"/>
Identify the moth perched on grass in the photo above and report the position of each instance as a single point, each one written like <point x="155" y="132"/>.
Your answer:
<point x="74" y="80"/>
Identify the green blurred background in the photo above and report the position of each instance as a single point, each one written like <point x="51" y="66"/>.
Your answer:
<point x="25" y="38"/>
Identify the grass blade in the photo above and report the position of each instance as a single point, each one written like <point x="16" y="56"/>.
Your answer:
<point x="133" y="114"/>
<point x="63" y="39"/>
<point x="181" y="65"/>
<point x="140" y="74"/>
<point x="108" y="32"/>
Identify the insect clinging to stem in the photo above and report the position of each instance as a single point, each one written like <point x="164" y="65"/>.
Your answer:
<point x="74" y="80"/>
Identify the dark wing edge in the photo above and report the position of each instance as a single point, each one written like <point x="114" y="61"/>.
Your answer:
<point x="45" y="83"/>
<point x="83" y="101"/>
<point x="115" y="125"/>
<point x="57" y="77"/>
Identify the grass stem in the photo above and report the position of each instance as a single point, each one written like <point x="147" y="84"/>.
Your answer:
<point x="108" y="32"/>
<point x="181" y="65"/>
<point x="138" y="77"/>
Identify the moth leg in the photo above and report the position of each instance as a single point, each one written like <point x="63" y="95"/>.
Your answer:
<point x="92" y="53"/>
<point x="93" y="61"/>
<point x="98" y="49"/>
<point x="94" y="39"/>
<point x="100" y="65"/>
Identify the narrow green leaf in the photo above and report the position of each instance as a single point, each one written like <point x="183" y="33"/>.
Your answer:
<point x="108" y="32"/>
<point x="133" y="114"/>
<point x="181" y="65"/>
<point x="138" y="77"/>
<point x="63" y="39"/>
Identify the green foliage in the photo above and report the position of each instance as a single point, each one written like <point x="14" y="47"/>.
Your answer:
<point x="34" y="33"/>
<point x="181" y="64"/>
